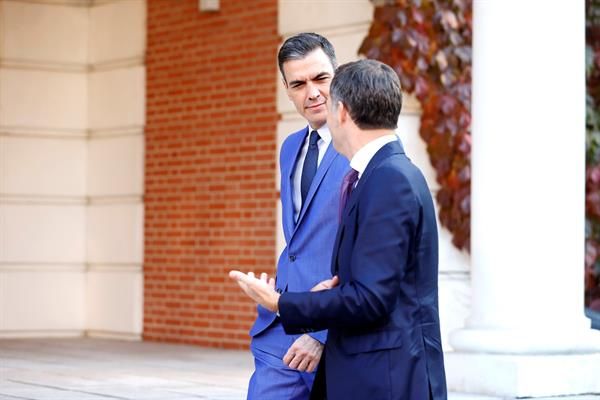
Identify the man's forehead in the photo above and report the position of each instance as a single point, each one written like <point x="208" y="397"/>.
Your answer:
<point x="308" y="75"/>
<point x="309" y="67"/>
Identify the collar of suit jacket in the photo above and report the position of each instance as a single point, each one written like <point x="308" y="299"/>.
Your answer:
<point x="363" y="156"/>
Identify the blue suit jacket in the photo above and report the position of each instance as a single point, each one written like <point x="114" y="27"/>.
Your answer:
<point x="384" y="332"/>
<point x="306" y="259"/>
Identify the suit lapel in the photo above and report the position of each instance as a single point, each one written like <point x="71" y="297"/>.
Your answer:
<point x="330" y="155"/>
<point x="386" y="151"/>
<point x="287" y="196"/>
<point x="336" y="246"/>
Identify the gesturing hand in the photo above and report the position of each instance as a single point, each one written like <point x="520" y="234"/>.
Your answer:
<point x="260" y="290"/>
<point x="304" y="354"/>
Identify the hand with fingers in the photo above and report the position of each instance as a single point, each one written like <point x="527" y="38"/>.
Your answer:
<point x="304" y="354"/>
<point x="260" y="290"/>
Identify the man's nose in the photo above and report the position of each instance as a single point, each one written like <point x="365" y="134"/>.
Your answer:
<point x="313" y="92"/>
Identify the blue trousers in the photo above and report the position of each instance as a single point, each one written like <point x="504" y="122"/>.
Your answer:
<point x="272" y="379"/>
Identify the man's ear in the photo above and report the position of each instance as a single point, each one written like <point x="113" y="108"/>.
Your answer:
<point x="286" y="87"/>
<point x="342" y="111"/>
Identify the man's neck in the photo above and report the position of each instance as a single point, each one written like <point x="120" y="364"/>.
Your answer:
<point x="315" y="128"/>
<point x="363" y="156"/>
<point x="364" y="137"/>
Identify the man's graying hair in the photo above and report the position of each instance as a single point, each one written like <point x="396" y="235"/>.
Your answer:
<point x="371" y="92"/>
<point x="299" y="46"/>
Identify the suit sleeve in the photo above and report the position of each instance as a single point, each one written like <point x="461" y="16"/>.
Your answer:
<point x="388" y="212"/>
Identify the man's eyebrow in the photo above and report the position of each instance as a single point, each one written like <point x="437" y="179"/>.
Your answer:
<point x="322" y="75"/>
<point x="296" y="82"/>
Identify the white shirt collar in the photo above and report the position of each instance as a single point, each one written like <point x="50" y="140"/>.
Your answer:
<point x="363" y="156"/>
<point x="324" y="133"/>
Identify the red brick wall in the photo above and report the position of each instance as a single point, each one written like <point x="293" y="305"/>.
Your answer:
<point x="210" y="166"/>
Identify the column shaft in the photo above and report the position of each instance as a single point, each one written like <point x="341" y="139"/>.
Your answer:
<point x="527" y="334"/>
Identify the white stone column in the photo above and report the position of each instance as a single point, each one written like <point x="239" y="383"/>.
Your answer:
<point x="527" y="334"/>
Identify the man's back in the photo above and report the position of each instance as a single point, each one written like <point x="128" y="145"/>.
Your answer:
<point x="388" y="232"/>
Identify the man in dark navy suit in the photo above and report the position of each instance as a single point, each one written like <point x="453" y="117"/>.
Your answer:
<point x="381" y="307"/>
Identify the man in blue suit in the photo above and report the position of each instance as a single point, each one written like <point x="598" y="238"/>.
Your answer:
<point x="311" y="175"/>
<point x="381" y="308"/>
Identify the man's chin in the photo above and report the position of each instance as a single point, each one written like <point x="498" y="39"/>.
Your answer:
<point x="317" y="119"/>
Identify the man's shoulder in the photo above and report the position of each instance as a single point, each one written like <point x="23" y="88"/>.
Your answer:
<point x="293" y="140"/>
<point x="296" y="135"/>
<point x="397" y="176"/>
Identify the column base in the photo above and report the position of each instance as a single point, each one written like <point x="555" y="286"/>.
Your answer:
<point x="516" y="376"/>
<point x="543" y="341"/>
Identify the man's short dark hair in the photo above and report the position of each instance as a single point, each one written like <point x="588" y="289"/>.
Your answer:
<point x="371" y="92"/>
<point x="299" y="46"/>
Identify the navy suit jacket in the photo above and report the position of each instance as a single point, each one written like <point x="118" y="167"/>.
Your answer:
<point x="384" y="331"/>
<point x="306" y="258"/>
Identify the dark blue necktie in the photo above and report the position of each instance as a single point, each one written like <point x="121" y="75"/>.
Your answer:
<point x="309" y="169"/>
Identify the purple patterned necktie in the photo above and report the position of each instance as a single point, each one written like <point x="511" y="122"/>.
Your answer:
<point x="347" y="186"/>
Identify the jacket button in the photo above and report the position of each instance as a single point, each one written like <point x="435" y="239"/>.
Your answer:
<point x="292" y="258"/>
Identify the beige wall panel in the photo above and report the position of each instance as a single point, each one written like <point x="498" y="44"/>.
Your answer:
<point x="42" y="233"/>
<point x="115" y="301"/>
<point x="117" y="98"/>
<point x="415" y="147"/>
<point x="116" y="166"/>
<point x="42" y="166"/>
<point x="311" y="15"/>
<point x="454" y="303"/>
<point x="43" y="99"/>
<point x="115" y="233"/>
<point x="42" y="300"/>
<point x="284" y="105"/>
<point x="450" y="258"/>
<point x="346" y="44"/>
<point x="117" y="31"/>
<point x="43" y="32"/>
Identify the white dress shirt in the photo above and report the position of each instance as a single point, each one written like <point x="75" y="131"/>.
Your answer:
<point x="322" y="144"/>
<point x="363" y="156"/>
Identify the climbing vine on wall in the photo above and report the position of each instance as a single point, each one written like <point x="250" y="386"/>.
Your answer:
<point x="592" y="192"/>
<point x="428" y="43"/>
